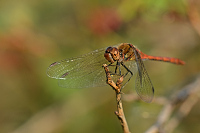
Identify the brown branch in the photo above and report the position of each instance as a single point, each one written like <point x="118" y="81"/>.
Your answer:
<point x="117" y="88"/>
<point x="186" y="98"/>
<point x="55" y="117"/>
<point x="194" y="14"/>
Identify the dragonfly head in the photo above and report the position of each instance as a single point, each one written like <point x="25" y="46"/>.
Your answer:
<point x="112" y="54"/>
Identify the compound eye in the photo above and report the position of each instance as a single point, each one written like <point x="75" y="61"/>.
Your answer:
<point x="108" y="55"/>
<point x="108" y="50"/>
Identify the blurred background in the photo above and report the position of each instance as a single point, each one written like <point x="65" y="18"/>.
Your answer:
<point x="34" y="34"/>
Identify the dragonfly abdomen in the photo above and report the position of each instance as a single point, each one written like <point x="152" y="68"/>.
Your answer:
<point x="166" y="59"/>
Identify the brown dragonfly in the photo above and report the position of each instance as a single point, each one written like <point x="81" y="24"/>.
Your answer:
<point x="124" y="59"/>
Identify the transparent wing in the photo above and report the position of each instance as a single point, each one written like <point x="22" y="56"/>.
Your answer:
<point x="80" y="72"/>
<point x="143" y="83"/>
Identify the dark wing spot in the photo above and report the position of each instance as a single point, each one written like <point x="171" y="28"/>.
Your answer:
<point x="65" y="74"/>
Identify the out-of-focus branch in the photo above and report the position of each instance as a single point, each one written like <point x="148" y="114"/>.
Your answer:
<point x="117" y="88"/>
<point x="186" y="98"/>
<point x="194" y="14"/>
<point x="54" y="117"/>
<point x="135" y="97"/>
<point x="183" y="111"/>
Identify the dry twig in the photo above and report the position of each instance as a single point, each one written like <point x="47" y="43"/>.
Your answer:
<point x="52" y="118"/>
<point x="117" y="88"/>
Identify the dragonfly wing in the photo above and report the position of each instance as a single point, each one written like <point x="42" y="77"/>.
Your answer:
<point x="80" y="72"/>
<point x="143" y="83"/>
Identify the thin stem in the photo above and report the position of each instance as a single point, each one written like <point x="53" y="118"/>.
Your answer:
<point x="117" y="87"/>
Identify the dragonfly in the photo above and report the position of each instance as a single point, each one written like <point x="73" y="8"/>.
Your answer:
<point x="123" y="60"/>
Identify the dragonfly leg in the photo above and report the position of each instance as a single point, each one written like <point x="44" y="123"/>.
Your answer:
<point x="117" y="66"/>
<point x="128" y="71"/>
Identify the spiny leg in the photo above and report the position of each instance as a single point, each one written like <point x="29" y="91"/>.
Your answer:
<point x="128" y="71"/>
<point x="116" y="67"/>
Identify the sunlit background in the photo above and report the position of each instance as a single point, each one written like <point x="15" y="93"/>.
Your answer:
<point x="34" y="34"/>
